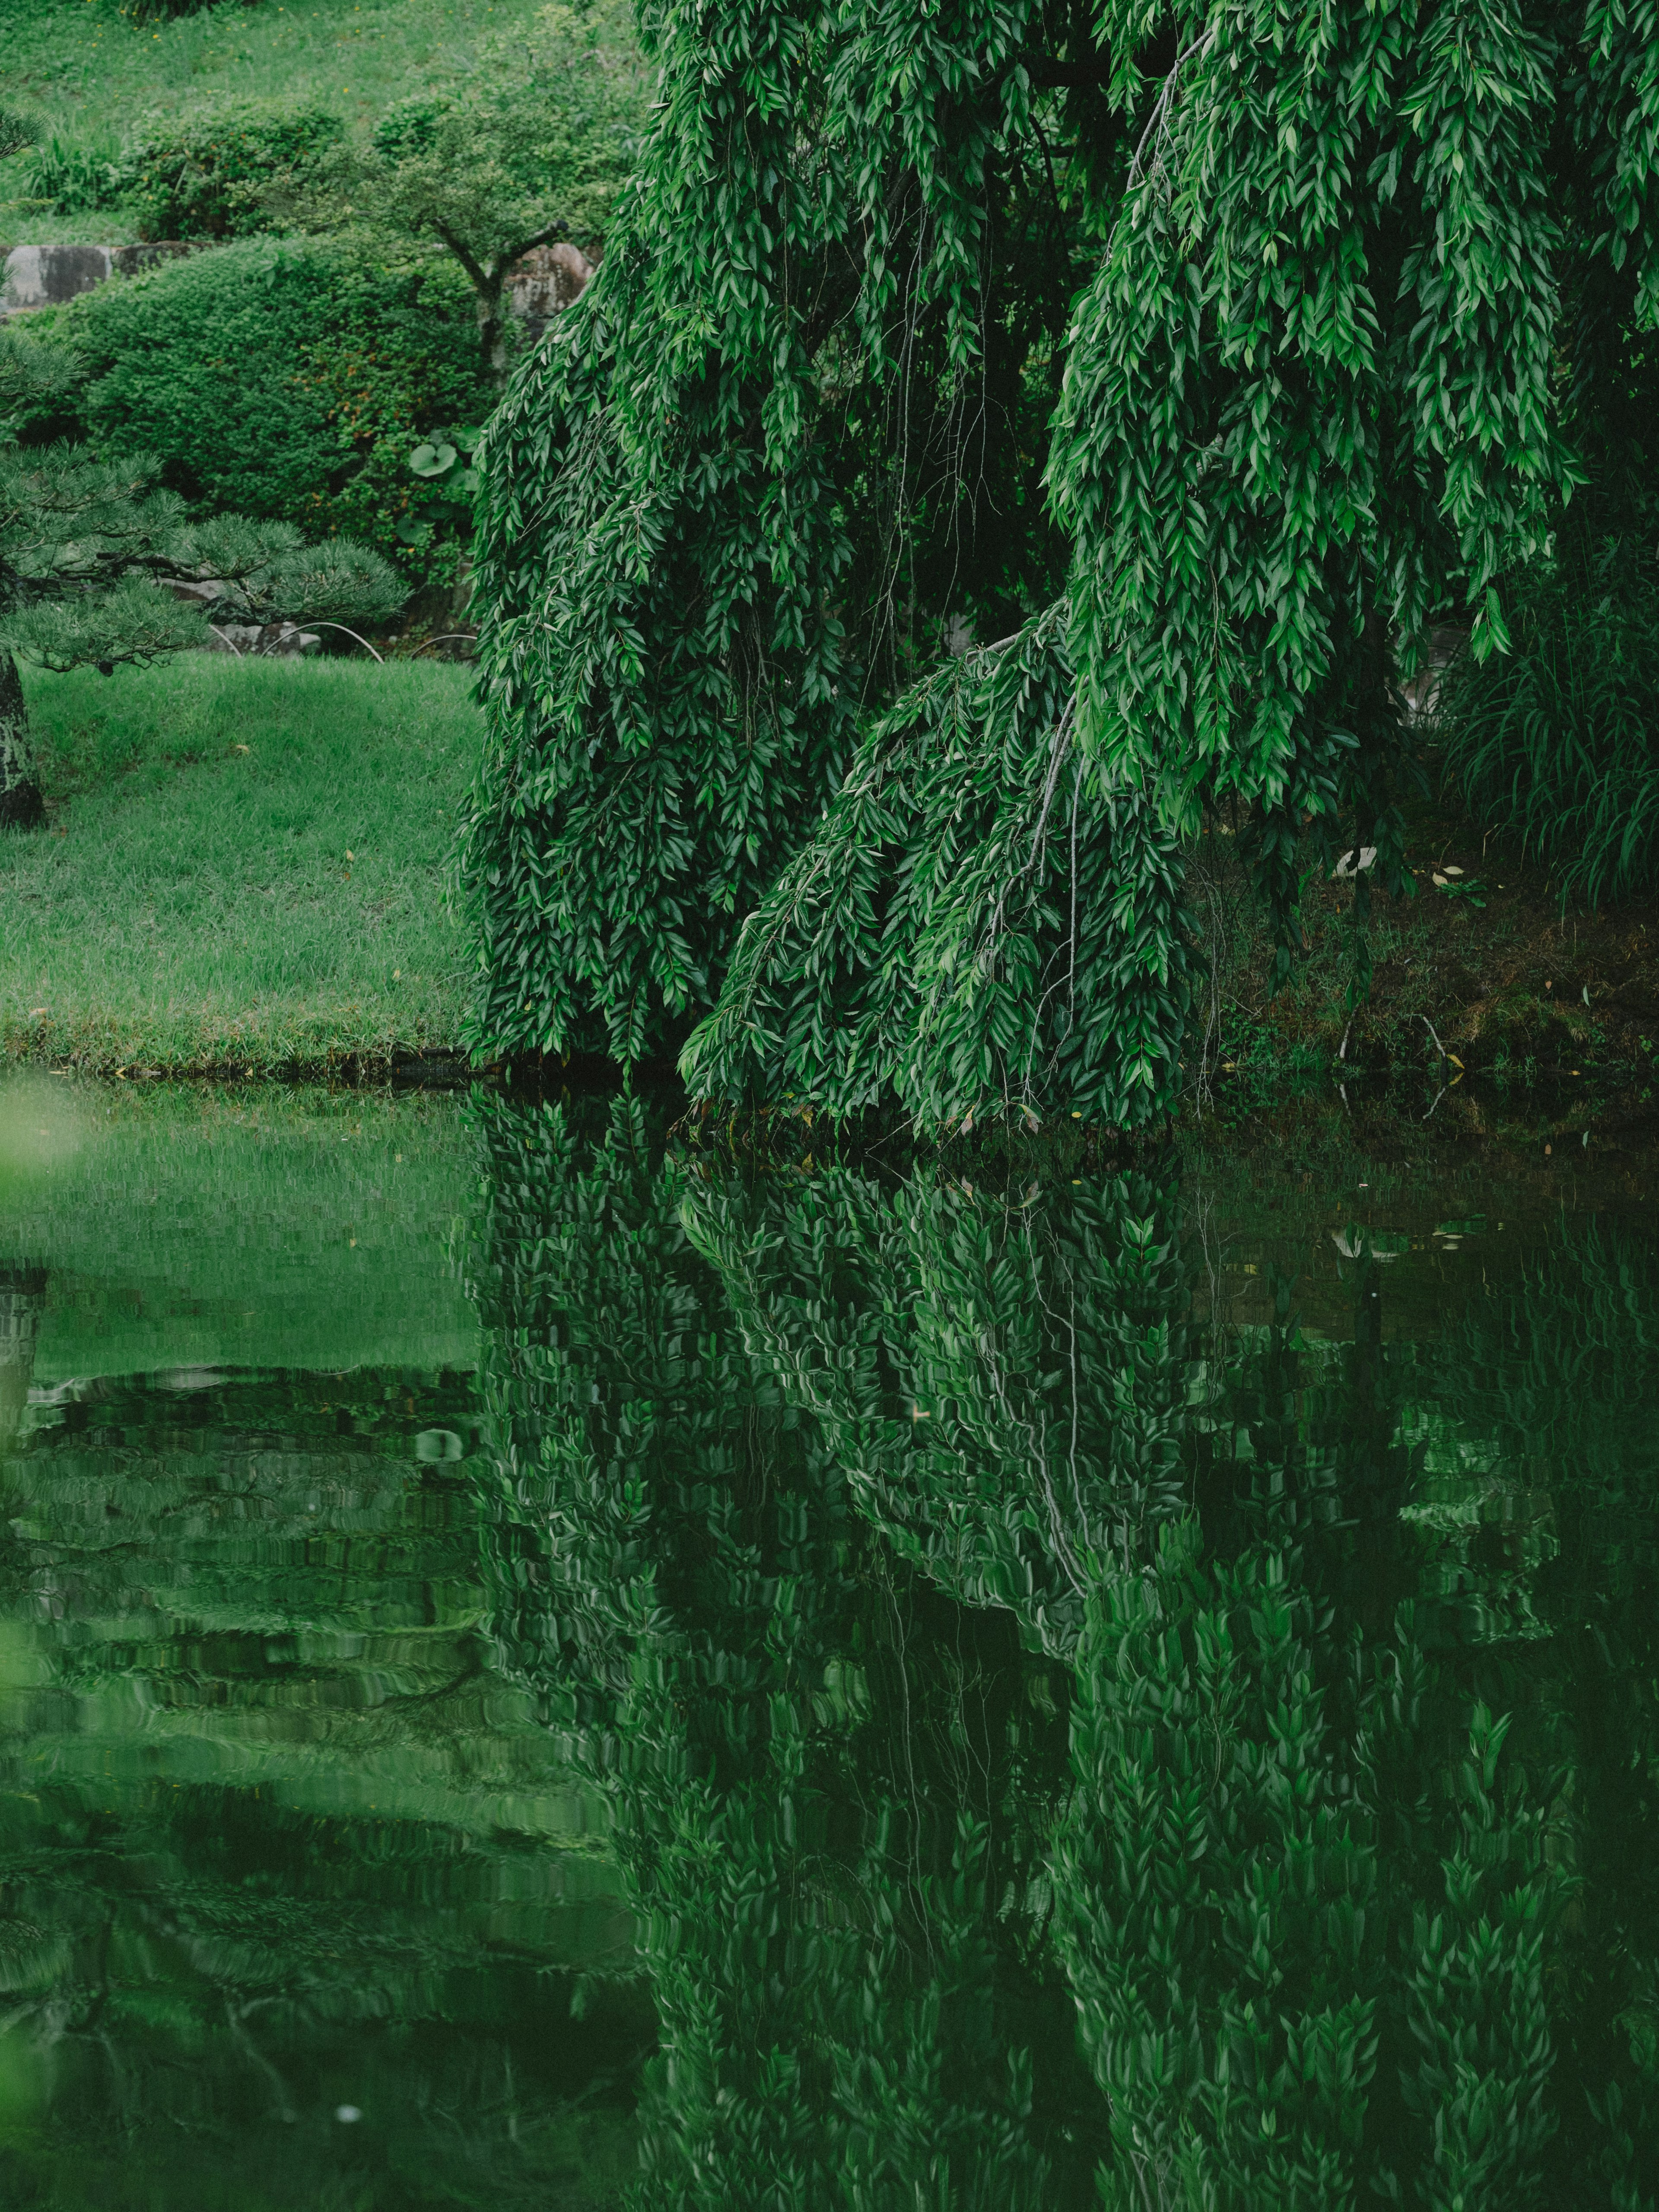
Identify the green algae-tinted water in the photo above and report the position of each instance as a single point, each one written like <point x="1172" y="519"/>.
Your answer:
<point x="537" y="1671"/>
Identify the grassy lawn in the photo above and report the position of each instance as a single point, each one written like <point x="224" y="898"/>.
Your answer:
<point x="245" y="867"/>
<point x="84" y="64"/>
<point x="87" y="70"/>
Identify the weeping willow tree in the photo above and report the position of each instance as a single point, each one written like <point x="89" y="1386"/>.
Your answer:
<point x="835" y="406"/>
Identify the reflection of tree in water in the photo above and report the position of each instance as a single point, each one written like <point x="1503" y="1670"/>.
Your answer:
<point x="212" y="1600"/>
<point x="22" y="1290"/>
<point x="1305" y="1974"/>
<point x="195" y="1980"/>
<point x="1554" y="1379"/>
<point x="1304" y="1880"/>
<point x="830" y="1781"/>
<point x="1006" y="1393"/>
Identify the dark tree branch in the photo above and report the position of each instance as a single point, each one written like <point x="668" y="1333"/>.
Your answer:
<point x="464" y="254"/>
<point x="549" y="236"/>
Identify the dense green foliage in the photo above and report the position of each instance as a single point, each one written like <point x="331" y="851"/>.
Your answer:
<point x="741" y="489"/>
<point x="1310" y="402"/>
<point x="531" y="145"/>
<point x="990" y="923"/>
<point x="193" y="176"/>
<point x="99" y="566"/>
<point x="1313" y="1626"/>
<point x="211" y="907"/>
<point x="1555" y="742"/>
<point x="72" y="176"/>
<point x="88" y="547"/>
<point x="290" y="381"/>
<point x="293" y="380"/>
<point x="196" y="176"/>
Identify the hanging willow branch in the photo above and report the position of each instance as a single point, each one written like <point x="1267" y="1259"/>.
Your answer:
<point x="786" y="450"/>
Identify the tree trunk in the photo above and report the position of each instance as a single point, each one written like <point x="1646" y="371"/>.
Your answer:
<point x="22" y="807"/>
<point x="492" y="321"/>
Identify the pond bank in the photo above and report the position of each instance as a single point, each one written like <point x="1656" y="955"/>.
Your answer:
<point x="1481" y="972"/>
<point x="245" y="872"/>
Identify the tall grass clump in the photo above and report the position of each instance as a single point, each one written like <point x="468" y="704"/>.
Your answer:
<point x="74" y="176"/>
<point x="1556" y="743"/>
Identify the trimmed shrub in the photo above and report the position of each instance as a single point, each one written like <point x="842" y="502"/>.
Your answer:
<point x="286" y="381"/>
<point x="197" y="175"/>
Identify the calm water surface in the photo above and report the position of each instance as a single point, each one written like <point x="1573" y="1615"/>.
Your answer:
<point x="538" y="1671"/>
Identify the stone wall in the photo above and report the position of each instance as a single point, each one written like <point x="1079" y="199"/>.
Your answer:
<point x="47" y="276"/>
<point x="544" y="282"/>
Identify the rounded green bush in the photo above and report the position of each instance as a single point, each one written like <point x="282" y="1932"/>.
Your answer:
<point x="286" y="381"/>
<point x="196" y="175"/>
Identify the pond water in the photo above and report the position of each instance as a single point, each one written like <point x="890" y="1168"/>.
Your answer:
<point x="541" y="1669"/>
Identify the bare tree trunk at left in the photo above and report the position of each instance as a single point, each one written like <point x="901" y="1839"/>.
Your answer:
<point x="22" y="807"/>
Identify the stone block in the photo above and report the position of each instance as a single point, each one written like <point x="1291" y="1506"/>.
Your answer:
<point x="549" y="279"/>
<point x="47" y="276"/>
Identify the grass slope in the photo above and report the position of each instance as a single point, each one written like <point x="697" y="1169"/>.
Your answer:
<point x="87" y="70"/>
<point x="84" y="64"/>
<point x="244" y="866"/>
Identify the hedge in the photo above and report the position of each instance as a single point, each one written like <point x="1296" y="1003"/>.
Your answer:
<point x="190" y="175"/>
<point x="193" y="176"/>
<point x="288" y="381"/>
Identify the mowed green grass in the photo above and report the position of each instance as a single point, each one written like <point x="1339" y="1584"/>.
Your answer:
<point x="246" y="866"/>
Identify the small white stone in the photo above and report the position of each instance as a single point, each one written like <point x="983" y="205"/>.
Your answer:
<point x="346" y="2113"/>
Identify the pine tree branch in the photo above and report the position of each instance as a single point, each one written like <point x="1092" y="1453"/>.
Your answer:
<point x="135" y="622"/>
